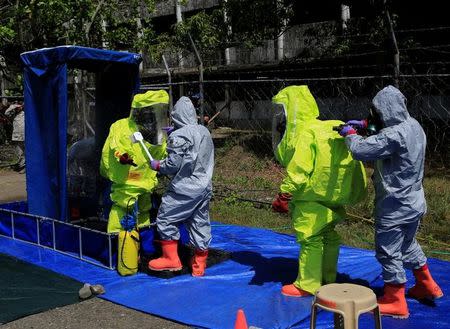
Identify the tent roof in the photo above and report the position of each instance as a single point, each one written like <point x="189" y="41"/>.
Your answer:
<point x="90" y="59"/>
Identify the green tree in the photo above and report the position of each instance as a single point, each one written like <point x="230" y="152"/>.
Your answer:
<point x="26" y="25"/>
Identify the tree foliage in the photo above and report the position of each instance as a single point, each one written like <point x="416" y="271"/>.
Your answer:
<point x="32" y="24"/>
<point x="28" y="25"/>
<point x="254" y="21"/>
<point x="127" y="25"/>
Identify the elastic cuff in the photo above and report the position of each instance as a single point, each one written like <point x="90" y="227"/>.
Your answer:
<point x="392" y="284"/>
<point x="422" y="268"/>
<point x="351" y="132"/>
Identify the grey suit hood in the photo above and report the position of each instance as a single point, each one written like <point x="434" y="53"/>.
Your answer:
<point x="183" y="113"/>
<point x="390" y="104"/>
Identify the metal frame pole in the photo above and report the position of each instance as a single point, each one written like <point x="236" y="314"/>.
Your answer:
<point x="200" y="85"/>
<point x="169" y="81"/>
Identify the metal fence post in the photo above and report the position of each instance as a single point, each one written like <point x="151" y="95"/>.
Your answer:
<point x="200" y="85"/>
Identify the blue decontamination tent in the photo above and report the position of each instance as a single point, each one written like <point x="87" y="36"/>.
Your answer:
<point x="45" y="96"/>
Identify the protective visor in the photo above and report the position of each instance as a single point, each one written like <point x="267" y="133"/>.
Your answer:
<point x="278" y="124"/>
<point x="150" y="121"/>
<point x="374" y="123"/>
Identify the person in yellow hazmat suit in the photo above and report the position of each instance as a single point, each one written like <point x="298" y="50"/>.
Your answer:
<point x="126" y="165"/>
<point x="321" y="178"/>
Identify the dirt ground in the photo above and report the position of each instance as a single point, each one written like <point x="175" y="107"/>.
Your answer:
<point x="92" y="313"/>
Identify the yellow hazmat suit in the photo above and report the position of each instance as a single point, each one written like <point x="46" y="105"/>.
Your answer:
<point x="130" y="183"/>
<point x="322" y="177"/>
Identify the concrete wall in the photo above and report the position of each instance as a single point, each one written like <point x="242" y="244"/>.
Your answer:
<point x="167" y="7"/>
<point x="258" y="114"/>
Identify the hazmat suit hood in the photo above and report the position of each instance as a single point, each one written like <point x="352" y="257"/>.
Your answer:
<point x="390" y="105"/>
<point x="300" y="107"/>
<point x="149" y="111"/>
<point x="183" y="113"/>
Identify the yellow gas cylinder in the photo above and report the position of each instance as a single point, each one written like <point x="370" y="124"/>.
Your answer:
<point x="128" y="253"/>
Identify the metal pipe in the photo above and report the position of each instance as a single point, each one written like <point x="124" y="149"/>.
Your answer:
<point x="54" y="220"/>
<point x="169" y="81"/>
<point x="298" y="79"/>
<point x="200" y="85"/>
<point x="80" y="243"/>
<point x="179" y="18"/>
<point x="396" y="50"/>
<point x="38" y="231"/>
<point x="110" y="252"/>
<point x="12" y="226"/>
<point x="53" y="235"/>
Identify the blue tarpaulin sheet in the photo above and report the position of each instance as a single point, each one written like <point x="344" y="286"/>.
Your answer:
<point x="262" y="260"/>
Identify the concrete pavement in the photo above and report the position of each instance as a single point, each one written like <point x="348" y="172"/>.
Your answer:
<point x="91" y="313"/>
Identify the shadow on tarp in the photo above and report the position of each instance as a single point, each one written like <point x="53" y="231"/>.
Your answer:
<point x="28" y="289"/>
<point x="261" y="261"/>
<point x="280" y="269"/>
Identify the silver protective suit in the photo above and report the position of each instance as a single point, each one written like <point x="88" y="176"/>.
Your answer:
<point x="399" y="153"/>
<point x="190" y="162"/>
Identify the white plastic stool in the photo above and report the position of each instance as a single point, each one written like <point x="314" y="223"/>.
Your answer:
<point x="347" y="302"/>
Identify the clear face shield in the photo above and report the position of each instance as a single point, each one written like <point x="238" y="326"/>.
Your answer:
<point x="374" y="123"/>
<point x="150" y="121"/>
<point x="278" y="124"/>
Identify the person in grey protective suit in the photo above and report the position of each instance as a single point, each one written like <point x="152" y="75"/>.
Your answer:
<point x="398" y="150"/>
<point x="190" y="162"/>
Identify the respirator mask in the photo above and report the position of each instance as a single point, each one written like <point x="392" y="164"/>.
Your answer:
<point x="278" y="124"/>
<point x="374" y="123"/>
<point x="151" y="120"/>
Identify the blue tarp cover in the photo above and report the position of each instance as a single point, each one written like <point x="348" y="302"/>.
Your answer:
<point x="46" y="110"/>
<point x="261" y="262"/>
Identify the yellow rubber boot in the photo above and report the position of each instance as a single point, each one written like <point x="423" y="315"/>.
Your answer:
<point x="169" y="261"/>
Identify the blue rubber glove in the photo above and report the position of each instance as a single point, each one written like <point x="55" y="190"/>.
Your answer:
<point x="168" y="129"/>
<point x="128" y="222"/>
<point x="358" y="124"/>
<point x="347" y="130"/>
<point x="154" y="164"/>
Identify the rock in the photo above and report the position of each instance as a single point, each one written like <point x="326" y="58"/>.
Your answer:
<point x="85" y="292"/>
<point x="97" y="289"/>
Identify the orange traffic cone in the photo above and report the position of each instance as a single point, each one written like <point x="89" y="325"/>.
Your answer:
<point x="241" y="322"/>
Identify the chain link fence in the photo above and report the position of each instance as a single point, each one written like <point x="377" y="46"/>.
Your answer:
<point x="244" y="106"/>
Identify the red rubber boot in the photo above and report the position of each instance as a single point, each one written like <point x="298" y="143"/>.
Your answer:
<point x="425" y="287"/>
<point x="198" y="262"/>
<point x="292" y="291"/>
<point x="393" y="303"/>
<point x="169" y="261"/>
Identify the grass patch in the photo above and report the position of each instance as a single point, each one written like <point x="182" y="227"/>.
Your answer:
<point x="246" y="179"/>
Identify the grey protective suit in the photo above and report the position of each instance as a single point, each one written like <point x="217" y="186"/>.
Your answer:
<point x="190" y="161"/>
<point x="399" y="153"/>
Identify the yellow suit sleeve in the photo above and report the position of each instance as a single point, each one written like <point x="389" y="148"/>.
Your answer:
<point x="301" y="166"/>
